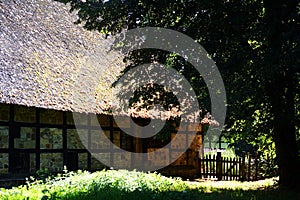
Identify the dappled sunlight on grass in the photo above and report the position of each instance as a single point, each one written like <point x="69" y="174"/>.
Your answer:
<point x="236" y="185"/>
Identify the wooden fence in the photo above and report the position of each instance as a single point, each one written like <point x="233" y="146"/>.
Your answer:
<point x="216" y="167"/>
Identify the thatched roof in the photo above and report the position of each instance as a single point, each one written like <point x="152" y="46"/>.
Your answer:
<point x="42" y="53"/>
<point x="44" y="57"/>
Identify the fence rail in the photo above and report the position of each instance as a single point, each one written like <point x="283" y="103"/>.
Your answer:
<point x="216" y="167"/>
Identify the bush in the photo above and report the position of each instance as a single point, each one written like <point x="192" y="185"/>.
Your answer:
<point x="120" y="184"/>
<point x="133" y="185"/>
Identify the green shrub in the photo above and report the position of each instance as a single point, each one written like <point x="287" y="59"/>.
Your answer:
<point x="133" y="185"/>
<point x="98" y="185"/>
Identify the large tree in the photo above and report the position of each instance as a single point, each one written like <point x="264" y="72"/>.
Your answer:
<point x="255" y="45"/>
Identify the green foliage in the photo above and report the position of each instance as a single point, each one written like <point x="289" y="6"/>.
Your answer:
<point x="255" y="44"/>
<point x="44" y="174"/>
<point x="255" y="135"/>
<point x="124" y="184"/>
<point x="99" y="185"/>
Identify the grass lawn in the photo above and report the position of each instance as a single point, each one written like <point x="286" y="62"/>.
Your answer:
<point x="122" y="184"/>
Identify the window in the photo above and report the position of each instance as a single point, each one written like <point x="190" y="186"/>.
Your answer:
<point x="51" y="138"/>
<point x="25" y="114"/>
<point x="82" y="160"/>
<point x="26" y="139"/>
<point x="51" y="161"/>
<point x="3" y="163"/>
<point x="74" y="141"/>
<point x="4" y="132"/>
<point x="122" y="160"/>
<point x="4" y="112"/>
<point x="43" y="138"/>
<point x="51" y="116"/>
<point x="96" y="158"/>
<point x="97" y="139"/>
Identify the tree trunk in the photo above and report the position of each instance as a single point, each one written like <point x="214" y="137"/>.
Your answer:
<point x="281" y="96"/>
<point x="281" y="91"/>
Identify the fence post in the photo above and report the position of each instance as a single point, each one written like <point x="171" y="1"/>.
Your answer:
<point x="243" y="166"/>
<point x="203" y="165"/>
<point x="219" y="166"/>
<point x="249" y="166"/>
<point x="256" y="166"/>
